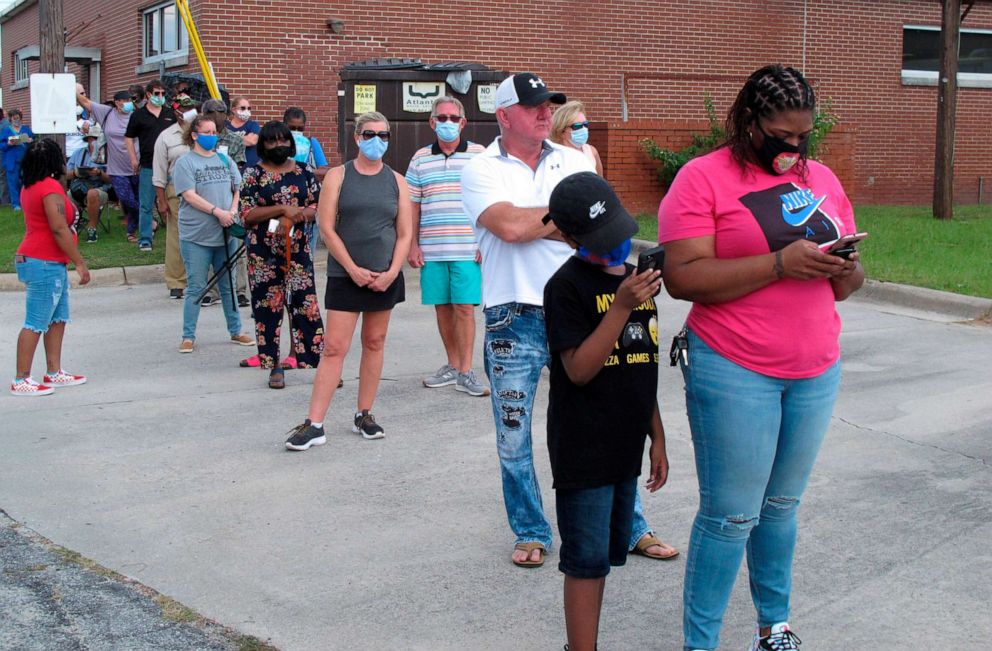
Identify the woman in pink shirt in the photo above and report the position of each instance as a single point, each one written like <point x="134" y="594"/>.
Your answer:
<point x="743" y="228"/>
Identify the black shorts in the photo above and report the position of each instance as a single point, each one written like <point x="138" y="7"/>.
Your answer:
<point x="343" y="295"/>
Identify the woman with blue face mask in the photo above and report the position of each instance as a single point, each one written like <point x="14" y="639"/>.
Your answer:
<point x="365" y="219"/>
<point x="570" y="128"/>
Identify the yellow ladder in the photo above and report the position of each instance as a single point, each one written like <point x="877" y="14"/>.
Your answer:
<point x="194" y="39"/>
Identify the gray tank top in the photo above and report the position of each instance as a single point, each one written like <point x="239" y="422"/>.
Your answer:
<point x="366" y="220"/>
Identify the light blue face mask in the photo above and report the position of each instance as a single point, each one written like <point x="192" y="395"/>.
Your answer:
<point x="580" y="136"/>
<point x="302" y="147"/>
<point x="128" y="107"/>
<point x="373" y="149"/>
<point x="446" y="131"/>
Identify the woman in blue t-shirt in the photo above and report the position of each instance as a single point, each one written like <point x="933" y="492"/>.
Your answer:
<point x="14" y="140"/>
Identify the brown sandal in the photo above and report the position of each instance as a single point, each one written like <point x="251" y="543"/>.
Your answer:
<point x="529" y="547"/>
<point x="649" y="540"/>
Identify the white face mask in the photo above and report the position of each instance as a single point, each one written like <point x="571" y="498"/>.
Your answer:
<point x="79" y="110"/>
<point x="189" y="115"/>
<point x="243" y="115"/>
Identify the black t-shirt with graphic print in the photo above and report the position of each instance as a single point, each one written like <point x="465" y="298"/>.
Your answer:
<point x="596" y="432"/>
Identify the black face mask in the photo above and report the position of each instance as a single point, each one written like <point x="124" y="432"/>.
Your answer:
<point x="777" y="156"/>
<point x="279" y="155"/>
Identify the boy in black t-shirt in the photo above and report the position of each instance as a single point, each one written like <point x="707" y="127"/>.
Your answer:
<point x="603" y="336"/>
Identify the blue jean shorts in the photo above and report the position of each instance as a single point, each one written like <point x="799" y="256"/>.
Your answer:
<point x="595" y="525"/>
<point x="47" y="283"/>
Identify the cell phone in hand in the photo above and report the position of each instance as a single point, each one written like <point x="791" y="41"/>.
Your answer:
<point x="653" y="258"/>
<point x="845" y="246"/>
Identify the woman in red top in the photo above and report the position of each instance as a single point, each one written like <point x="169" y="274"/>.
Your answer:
<point x="48" y="246"/>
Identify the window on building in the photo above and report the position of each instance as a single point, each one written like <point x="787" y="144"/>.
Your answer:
<point x="921" y="56"/>
<point x="20" y="69"/>
<point x="164" y="33"/>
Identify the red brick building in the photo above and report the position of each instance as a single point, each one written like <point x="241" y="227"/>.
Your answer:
<point x="641" y="67"/>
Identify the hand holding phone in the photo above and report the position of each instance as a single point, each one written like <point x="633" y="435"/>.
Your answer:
<point x="653" y="258"/>
<point x="845" y="246"/>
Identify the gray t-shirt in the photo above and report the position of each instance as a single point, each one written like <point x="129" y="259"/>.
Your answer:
<point x="215" y="178"/>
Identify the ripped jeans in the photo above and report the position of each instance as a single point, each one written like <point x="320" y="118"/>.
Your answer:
<point x="755" y="439"/>
<point x="515" y="351"/>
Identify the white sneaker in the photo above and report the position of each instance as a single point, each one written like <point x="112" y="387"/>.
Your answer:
<point x="779" y="639"/>
<point x="27" y="388"/>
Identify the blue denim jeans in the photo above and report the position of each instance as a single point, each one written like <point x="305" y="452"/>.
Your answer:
<point x="515" y="351"/>
<point x="146" y="202"/>
<point x="595" y="525"/>
<point x="755" y="439"/>
<point x="47" y="299"/>
<point x="197" y="259"/>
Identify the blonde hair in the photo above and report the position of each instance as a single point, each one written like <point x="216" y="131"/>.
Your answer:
<point x="365" y="118"/>
<point x="563" y="116"/>
<point x="447" y="99"/>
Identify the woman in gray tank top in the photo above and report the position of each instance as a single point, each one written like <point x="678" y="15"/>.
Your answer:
<point x="365" y="218"/>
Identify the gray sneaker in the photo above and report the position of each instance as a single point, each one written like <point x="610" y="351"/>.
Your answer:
<point x="468" y="383"/>
<point x="444" y="376"/>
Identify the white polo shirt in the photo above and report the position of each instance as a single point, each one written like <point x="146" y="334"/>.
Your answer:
<point x="517" y="273"/>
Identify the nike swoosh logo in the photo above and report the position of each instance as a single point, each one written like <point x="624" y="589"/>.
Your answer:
<point x="799" y="218"/>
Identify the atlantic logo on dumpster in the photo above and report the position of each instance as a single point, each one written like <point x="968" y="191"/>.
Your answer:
<point x="418" y="96"/>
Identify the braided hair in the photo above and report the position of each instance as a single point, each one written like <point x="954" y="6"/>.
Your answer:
<point x="43" y="159"/>
<point x="767" y="91"/>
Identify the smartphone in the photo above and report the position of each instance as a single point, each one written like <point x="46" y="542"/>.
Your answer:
<point x="653" y="258"/>
<point x="844" y="246"/>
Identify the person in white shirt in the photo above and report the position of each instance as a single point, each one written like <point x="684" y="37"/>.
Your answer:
<point x="505" y="192"/>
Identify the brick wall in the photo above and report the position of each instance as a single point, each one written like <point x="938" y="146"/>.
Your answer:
<point x="659" y="57"/>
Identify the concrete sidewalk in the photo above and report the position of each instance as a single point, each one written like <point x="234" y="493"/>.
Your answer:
<point x="170" y="469"/>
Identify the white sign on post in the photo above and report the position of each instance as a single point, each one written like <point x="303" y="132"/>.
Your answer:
<point x="486" y="96"/>
<point x="418" y="96"/>
<point x="53" y="103"/>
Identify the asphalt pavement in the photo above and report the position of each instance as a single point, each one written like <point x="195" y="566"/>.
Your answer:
<point x="170" y="470"/>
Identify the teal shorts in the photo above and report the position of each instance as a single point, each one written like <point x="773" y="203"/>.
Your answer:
<point x="456" y="282"/>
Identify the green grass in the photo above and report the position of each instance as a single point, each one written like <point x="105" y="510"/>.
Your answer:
<point x="907" y="245"/>
<point x="112" y="249"/>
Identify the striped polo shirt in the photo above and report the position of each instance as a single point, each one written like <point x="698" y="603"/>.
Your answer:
<point x="435" y="182"/>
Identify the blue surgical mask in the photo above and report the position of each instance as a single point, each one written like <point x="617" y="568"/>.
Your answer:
<point x="128" y="107"/>
<point x="302" y="147"/>
<point x="446" y="131"/>
<point x="580" y="136"/>
<point x="207" y="142"/>
<point x="612" y="258"/>
<point x="373" y="149"/>
<point x="157" y="100"/>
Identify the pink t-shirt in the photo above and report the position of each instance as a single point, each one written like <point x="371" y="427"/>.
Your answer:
<point x="790" y="328"/>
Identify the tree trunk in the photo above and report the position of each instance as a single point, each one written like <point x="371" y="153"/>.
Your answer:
<point x="947" y="91"/>
<point x="52" y="43"/>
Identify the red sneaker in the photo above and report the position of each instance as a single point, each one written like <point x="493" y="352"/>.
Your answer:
<point x="27" y="387"/>
<point x="63" y="379"/>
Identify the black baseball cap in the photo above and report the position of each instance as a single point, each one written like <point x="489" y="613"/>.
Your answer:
<point x="122" y="94"/>
<point x="585" y="207"/>
<point x="525" y="88"/>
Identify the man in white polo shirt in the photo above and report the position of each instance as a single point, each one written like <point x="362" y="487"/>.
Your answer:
<point x="505" y="191"/>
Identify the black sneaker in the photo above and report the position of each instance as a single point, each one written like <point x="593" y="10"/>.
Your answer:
<point x="243" y="301"/>
<point x="90" y="235"/>
<point x="303" y="436"/>
<point x="209" y="300"/>
<point x="366" y="426"/>
<point x="176" y="293"/>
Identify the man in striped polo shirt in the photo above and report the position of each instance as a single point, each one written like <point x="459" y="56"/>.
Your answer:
<point x="446" y="250"/>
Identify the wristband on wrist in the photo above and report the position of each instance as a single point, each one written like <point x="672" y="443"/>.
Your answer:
<point x="212" y="209"/>
<point x="779" y="268"/>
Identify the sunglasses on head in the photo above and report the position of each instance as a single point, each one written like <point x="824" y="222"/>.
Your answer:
<point x="575" y="126"/>
<point x="445" y="118"/>
<point x="368" y="134"/>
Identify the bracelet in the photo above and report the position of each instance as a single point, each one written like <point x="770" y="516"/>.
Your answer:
<point x="779" y="268"/>
<point x="212" y="209"/>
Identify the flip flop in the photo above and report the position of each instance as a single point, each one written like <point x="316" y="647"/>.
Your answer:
<point x="277" y="379"/>
<point x="641" y="548"/>
<point x="250" y="362"/>
<point x="529" y="547"/>
<point x="288" y="363"/>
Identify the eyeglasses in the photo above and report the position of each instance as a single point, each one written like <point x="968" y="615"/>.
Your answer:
<point x="158" y="93"/>
<point x="368" y="134"/>
<point x="445" y="118"/>
<point x="244" y="108"/>
<point x="134" y="98"/>
<point x="575" y="126"/>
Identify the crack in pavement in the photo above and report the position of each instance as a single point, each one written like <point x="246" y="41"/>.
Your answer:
<point x="865" y="428"/>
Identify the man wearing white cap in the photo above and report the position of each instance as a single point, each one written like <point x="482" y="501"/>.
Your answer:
<point x="505" y="191"/>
